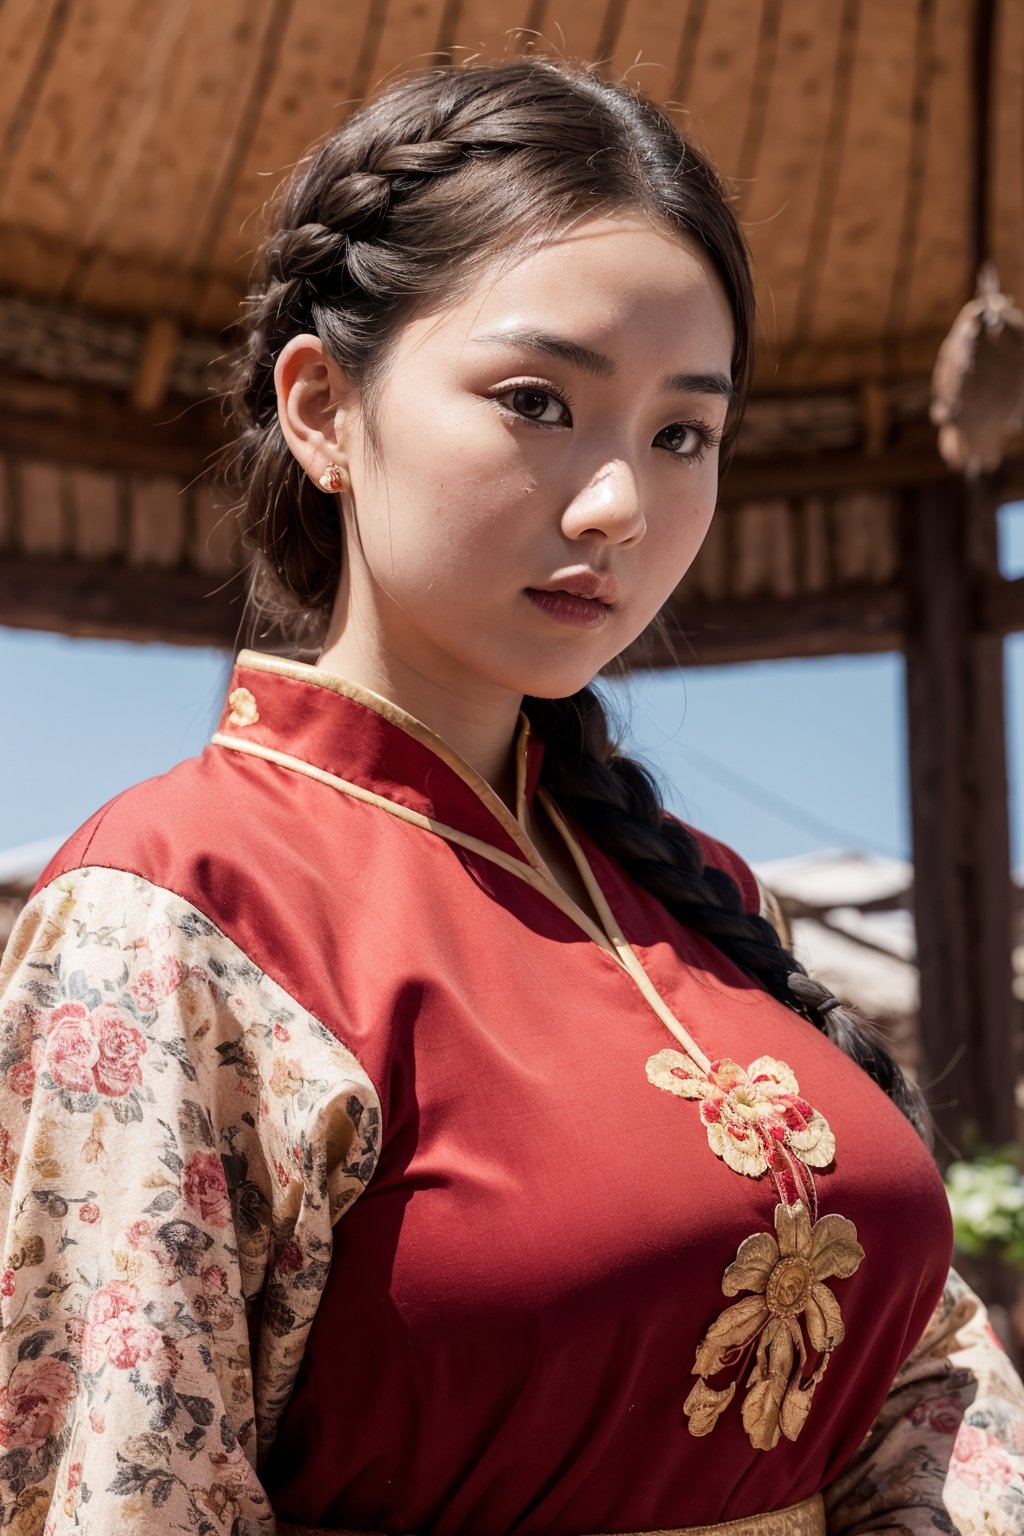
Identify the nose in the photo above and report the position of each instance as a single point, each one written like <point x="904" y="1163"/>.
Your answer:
<point x="609" y="504"/>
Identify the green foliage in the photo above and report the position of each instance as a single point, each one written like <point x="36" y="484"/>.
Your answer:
<point x="986" y="1196"/>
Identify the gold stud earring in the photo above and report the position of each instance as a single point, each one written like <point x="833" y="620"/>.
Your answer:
<point x="335" y="478"/>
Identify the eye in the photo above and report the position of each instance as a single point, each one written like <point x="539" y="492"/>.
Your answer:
<point x="532" y="403"/>
<point x="690" y="440"/>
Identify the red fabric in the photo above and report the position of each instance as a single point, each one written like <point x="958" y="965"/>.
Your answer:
<point x="512" y="1309"/>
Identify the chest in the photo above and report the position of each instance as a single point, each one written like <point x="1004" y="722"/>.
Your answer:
<point x="543" y="1242"/>
<point x="511" y="1052"/>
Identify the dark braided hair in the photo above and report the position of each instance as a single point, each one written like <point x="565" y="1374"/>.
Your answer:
<point x="616" y="801"/>
<point x="398" y="211"/>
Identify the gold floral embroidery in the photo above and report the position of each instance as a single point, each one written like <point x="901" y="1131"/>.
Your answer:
<point x="786" y="1278"/>
<point x="758" y="1122"/>
<point x="756" y="1119"/>
<point x="243" y="707"/>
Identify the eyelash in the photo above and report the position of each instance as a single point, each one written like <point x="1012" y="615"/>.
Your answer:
<point x="710" y="436"/>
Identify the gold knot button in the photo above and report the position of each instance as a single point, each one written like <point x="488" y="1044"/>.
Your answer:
<point x="243" y="707"/>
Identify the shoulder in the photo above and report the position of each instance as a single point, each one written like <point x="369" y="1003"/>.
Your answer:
<point x="204" y="830"/>
<point x="115" y="992"/>
<point x="134" y="1035"/>
<point x="137" y="829"/>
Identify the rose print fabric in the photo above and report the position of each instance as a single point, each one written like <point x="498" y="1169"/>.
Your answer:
<point x="947" y="1451"/>
<point x="177" y="1138"/>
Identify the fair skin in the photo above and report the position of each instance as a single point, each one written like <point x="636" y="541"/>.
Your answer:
<point x="479" y="506"/>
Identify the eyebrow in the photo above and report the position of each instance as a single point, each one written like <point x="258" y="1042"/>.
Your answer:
<point x="588" y="361"/>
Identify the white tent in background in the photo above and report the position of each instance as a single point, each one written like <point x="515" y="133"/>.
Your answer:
<point x="852" y="925"/>
<point x="21" y="867"/>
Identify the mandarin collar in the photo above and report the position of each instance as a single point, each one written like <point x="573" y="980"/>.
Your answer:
<point x="283" y="709"/>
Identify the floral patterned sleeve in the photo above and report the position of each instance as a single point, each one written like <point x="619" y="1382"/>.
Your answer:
<point x="947" y="1451"/>
<point x="177" y="1138"/>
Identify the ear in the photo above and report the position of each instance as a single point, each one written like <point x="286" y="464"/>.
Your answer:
<point x="316" y="404"/>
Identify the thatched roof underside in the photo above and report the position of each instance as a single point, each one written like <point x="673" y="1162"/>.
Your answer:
<point x="140" y="138"/>
<point x="876" y="152"/>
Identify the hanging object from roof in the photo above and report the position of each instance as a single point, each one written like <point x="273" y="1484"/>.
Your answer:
<point x="978" y="380"/>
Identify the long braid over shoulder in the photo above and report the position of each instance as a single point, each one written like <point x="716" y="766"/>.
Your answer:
<point x="616" y="801"/>
<point x="447" y="173"/>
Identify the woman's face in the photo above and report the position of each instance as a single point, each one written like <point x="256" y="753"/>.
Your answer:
<point x="548" y="461"/>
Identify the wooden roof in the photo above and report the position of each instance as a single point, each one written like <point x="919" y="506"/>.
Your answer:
<point x="876" y="149"/>
<point x="876" y="145"/>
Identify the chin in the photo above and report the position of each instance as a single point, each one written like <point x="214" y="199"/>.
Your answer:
<point x="558" y="679"/>
<point x="552" y="669"/>
<point x="565" y="690"/>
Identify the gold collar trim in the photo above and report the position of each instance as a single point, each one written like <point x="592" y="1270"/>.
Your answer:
<point x="535" y="874"/>
<point x="333" y="682"/>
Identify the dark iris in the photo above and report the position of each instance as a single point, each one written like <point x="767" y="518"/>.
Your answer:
<point x="678" y="435"/>
<point x="536" y="395"/>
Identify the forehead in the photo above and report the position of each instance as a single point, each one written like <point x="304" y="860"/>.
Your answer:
<point x="613" y="282"/>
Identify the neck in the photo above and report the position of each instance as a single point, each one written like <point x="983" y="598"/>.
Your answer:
<point x="479" y="724"/>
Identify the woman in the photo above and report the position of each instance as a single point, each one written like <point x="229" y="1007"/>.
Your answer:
<point x="407" y="1126"/>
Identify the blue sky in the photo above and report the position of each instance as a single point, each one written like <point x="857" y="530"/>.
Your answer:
<point x="776" y="758"/>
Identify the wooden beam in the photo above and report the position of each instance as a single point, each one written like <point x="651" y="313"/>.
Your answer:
<point x="1001" y="606"/>
<point x="120" y="602"/>
<point x="705" y="633"/>
<point x="841" y="361"/>
<point x="187" y="606"/>
<point x="82" y="344"/>
<point x="980" y="124"/>
<point x="75" y="345"/>
<point x="69" y="341"/>
<point x="913" y="459"/>
<point x="959" y="812"/>
<point x="97" y="428"/>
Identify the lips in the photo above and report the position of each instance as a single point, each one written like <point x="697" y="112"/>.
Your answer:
<point x="568" y="607"/>
<point x="585" y="583"/>
<point x="591" y="597"/>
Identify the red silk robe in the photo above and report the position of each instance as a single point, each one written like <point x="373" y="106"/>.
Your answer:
<point x="336" y="1178"/>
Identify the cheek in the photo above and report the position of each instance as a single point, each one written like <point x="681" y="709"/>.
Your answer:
<point x="443" y="437"/>
<point x="676" y="540"/>
<point x="454" y="473"/>
<point x="445" y="532"/>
